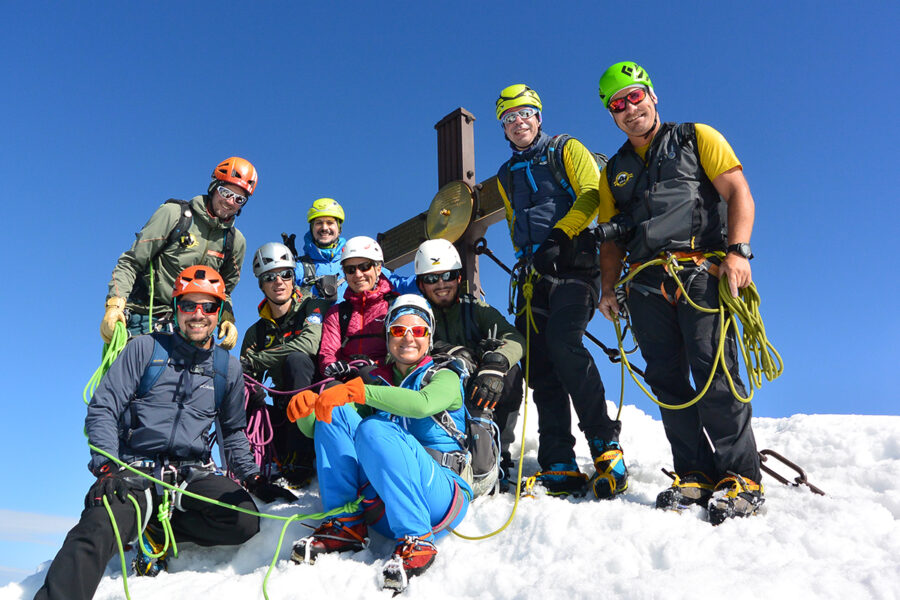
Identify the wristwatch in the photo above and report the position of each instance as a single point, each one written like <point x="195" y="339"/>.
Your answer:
<point x="741" y="250"/>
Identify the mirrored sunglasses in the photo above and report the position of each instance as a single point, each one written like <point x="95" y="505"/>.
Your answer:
<point x="229" y="195"/>
<point x="286" y="275"/>
<point x="418" y="331"/>
<point x="363" y="267"/>
<point x="189" y="307"/>
<point x="510" y="116"/>
<point x="432" y="278"/>
<point x="635" y="96"/>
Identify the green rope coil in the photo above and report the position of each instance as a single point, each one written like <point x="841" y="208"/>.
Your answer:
<point x="761" y="359"/>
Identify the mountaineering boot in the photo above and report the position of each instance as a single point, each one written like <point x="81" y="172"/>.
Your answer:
<point x="694" y="488"/>
<point x="611" y="476"/>
<point x="144" y="563"/>
<point x="562" y="479"/>
<point x="296" y="471"/>
<point x="734" y="496"/>
<point x="411" y="557"/>
<point x="334" y="535"/>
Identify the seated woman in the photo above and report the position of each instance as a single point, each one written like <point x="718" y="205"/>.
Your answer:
<point x="355" y="327"/>
<point x="384" y="441"/>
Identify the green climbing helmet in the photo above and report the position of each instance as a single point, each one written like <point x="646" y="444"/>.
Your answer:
<point x="620" y="76"/>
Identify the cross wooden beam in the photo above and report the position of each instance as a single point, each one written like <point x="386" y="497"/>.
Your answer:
<point x="456" y="162"/>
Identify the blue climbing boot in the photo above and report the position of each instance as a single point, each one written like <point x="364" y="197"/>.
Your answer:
<point x="151" y="555"/>
<point x="562" y="479"/>
<point x="611" y="476"/>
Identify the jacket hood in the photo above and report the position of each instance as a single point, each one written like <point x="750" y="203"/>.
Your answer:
<point x="325" y="255"/>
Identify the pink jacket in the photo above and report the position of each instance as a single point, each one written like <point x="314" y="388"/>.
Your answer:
<point x="365" y="331"/>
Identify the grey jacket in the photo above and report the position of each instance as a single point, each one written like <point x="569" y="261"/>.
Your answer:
<point x="174" y="418"/>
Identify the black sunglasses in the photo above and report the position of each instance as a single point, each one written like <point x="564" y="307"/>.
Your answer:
<point x="286" y="275"/>
<point x="363" y="267"/>
<point x="432" y="278"/>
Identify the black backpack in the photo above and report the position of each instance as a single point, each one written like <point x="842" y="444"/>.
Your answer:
<point x="180" y="234"/>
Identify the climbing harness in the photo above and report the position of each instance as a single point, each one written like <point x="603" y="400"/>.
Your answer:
<point x="166" y="508"/>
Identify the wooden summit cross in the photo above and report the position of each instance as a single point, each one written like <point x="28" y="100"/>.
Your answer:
<point x="450" y="210"/>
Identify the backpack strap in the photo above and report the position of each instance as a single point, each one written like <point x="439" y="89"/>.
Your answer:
<point x="309" y="270"/>
<point x="345" y="311"/>
<point x="220" y="374"/>
<point x="158" y="361"/>
<point x="470" y="327"/>
<point x="556" y="163"/>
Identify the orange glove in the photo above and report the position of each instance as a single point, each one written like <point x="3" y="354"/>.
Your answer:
<point x="339" y="395"/>
<point x="301" y="405"/>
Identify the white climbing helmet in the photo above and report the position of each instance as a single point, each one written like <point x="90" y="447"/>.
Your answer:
<point x="435" y="256"/>
<point x="362" y="247"/>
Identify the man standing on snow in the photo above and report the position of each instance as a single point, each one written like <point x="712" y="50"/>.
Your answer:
<point x="159" y="424"/>
<point x="178" y="235"/>
<point x="539" y="185"/>
<point x="680" y="189"/>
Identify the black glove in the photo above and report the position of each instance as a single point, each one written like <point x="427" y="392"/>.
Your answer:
<point x="341" y="370"/>
<point x="268" y="492"/>
<point x="246" y="365"/>
<point x="114" y="485"/>
<point x="257" y="398"/>
<point x="546" y="257"/>
<point x="486" y="387"/>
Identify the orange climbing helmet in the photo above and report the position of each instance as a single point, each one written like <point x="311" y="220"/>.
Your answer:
<point x="238" y="171"/>
<point x="200" y="279"/>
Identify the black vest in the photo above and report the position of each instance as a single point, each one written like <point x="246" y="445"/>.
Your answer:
<point x="668" y="197"/>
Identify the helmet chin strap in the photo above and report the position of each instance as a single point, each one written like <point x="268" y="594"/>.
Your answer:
<point x="650" y="131"/>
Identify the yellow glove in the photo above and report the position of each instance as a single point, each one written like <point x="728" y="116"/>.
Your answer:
<point x="228" y="334"/>
<point x="115" y="312"/>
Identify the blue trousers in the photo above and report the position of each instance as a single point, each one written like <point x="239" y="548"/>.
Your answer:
<point x="384" y="462"/>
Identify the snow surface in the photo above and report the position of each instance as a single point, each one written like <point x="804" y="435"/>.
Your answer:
<point x="843" y="545"/>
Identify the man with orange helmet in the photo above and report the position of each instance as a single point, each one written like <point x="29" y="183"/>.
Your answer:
<point x="199" y="232"/>
<point x="153" y="411"/>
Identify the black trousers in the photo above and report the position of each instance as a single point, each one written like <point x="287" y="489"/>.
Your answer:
<point x="506" y="415"/>
<point x="677" y="342"/>
<point x="78" y="567"/>
<point x="562" y="368"/>
<point x="291" y="446"/>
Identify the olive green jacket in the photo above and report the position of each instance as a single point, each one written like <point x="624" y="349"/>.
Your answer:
<point x="203" y="245"/>
<point x="269" y="341"/>
<point x="482" y="321"/>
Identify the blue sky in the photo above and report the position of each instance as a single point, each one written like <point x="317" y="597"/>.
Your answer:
<point x="111" y="108"/>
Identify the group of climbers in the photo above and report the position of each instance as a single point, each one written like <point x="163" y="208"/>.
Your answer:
<point x="405" y="362"/>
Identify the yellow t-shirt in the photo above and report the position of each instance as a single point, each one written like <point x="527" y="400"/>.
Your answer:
<point x="716" y="157"/>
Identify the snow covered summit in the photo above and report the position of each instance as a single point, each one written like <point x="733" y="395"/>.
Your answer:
<point x="843" y="545"/>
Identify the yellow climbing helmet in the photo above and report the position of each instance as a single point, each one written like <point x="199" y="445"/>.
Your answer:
<point x="325" y="207"/>
<point x="515" y="95"/>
